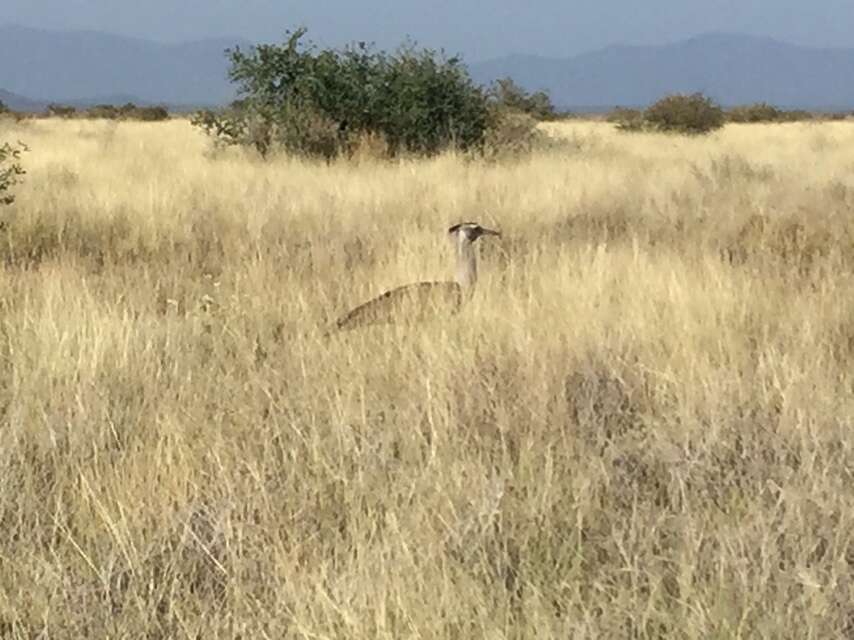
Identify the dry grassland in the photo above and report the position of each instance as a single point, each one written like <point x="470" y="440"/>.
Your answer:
<point x="641" y="427"/>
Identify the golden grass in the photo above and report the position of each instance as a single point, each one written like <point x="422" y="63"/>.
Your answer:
<point x="640" y="427"/>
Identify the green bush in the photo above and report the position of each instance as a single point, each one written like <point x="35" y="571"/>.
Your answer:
<point x="148" y="114"/>
<point x="626" y="119"/>
<point x="322" y="102"/>
<point x="797" y="115"/>
<point x="307" y="131"/>
<point x="837" y="116"/>
<point x="60" y="111"/>
<point x="763" y="112"/>
<point x="506" y="94"/>
<point x="128" y="111"/>
<point x="226" y="127"/>
<point x="102" y="111"/>
<point x="512" y="133"/>
<point x="757" y="112"/>
<point x="10" y="170"/>
<point x="690" y="114"/>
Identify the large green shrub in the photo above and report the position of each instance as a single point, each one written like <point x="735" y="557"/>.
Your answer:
<point x="10" y="170"/>
<point x="321" y="102"/>
<point x="691" y="114"/>
<point x="678" y="113"/>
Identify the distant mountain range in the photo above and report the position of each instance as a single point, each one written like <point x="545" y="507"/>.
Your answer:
<point x="20" y="103"/>
<point x="733" y="69"/>
<point x="87" y="67"/>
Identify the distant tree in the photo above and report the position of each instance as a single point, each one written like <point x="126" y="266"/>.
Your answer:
<point x="505" y="93"/>
<point x="3" y="107"/>
<point x="128" y="111"/>
<point x="320" y="102"/>
<point x="757" y="112"/>
<point x="797" y="115"/>
<point x="103" y="111"/>
<point x="691" y="114"/>
<point x="627" y="119"/>
<point x="61" y="111"/>
<point x="147" y="114"/>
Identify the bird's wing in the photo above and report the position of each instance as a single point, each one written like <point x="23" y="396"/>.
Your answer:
<point x="409" y="303"/>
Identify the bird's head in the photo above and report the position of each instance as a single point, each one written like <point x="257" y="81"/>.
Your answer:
<point x="470" y="231"/>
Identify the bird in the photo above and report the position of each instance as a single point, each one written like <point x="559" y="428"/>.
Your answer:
<point x="421" y="301"/>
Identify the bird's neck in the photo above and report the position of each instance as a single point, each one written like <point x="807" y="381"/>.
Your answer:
<point x="466" y="264"/>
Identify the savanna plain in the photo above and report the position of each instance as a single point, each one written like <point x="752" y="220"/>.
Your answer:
<point x="641" y="426"/>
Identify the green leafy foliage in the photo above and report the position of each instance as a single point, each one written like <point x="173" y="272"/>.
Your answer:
<point x="150" y="114"/>
<point x="225" y="127"/>
<point x="692" y="114"/>
<point x="506" y="94"/>
<point x="322" y="102"/>
<point x="627" y="119"/>
<point x="10" y="170"/>
<point x="61" y="111"/>
<point x="128" y="111"/>
<point x="764" y="112"/>
<point x="757" y="112"/>
<point x="513" y="133"/>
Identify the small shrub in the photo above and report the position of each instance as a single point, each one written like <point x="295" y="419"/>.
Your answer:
<point x="3" y="107"/>
<point x="10" y="170"/>
<point x="758" y="112"/>
<point x="690" y="114"/>
<point x="764" y="112"/>
<point x="102" y="112"/>
<point x="506" y="94"/>
<point x="127" y="111"/>
<point x="61" y="111"/>
<point x="512" y="133"/>
<point x="228" y="127"/>
<point x="149" y="114"/>
<point x="797" y="115"/>
<point x="626" y="119"/>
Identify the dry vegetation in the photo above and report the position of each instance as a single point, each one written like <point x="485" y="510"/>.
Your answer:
<point x="641" y="427"/>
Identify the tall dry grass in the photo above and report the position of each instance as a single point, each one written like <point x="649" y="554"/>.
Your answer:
<point x="641" y="426"/>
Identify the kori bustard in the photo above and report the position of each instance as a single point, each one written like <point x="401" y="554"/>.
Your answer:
<point x="422" y="300"/>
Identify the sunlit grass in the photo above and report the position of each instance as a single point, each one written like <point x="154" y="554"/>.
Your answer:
<point x="639" y="427"/>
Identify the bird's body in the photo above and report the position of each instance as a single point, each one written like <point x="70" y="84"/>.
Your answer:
<point x="407" y="304"/>
<point x="421" y="301"/>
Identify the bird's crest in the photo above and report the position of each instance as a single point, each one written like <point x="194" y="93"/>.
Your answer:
<point x="471" y="230"/>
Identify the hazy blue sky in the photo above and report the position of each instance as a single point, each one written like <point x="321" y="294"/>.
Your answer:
<point x="479" y="30"/>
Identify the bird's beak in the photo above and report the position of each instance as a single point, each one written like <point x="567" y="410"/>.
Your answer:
<point x="490" y="232"/>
